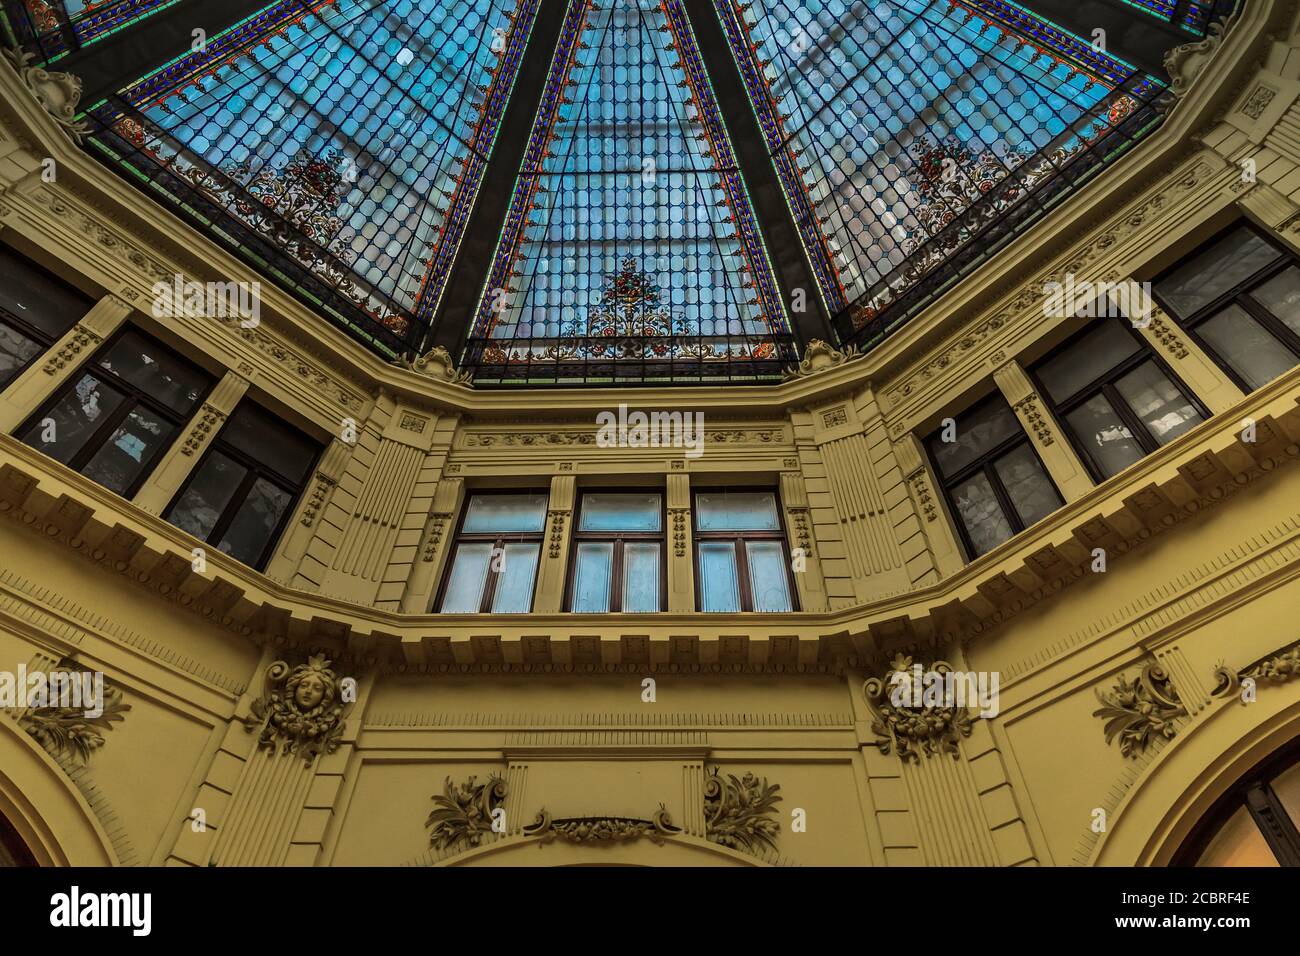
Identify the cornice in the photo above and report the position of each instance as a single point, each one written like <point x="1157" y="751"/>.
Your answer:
<point x="1195" y="473"/>
<point x="157" y="228"/>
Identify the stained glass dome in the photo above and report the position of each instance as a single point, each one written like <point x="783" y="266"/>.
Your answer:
<point x="564" y="191"/>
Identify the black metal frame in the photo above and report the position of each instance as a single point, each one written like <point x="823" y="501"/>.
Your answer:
<point x="1253" y="792"/>
<point x="134" y="396"/>
<point x="984" y="465"/>
<point x="617" y="538"/>
<point x="498" y="540"/>
<point x="1105" y="385"/>
<point x="256" y="469"/>
<point x="743" y="583"/>
<point x="22" y="327"/>
<point x="1237" y="295"/>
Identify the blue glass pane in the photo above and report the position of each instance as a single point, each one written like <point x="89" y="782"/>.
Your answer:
<point x="505" y="514"/>
<point x="767" y="575"/>
<point x="469" y="571"/>
<point x="630" y="226"/>
<point x="736" y="511"/>
<point x="592" y="573"/>
<point x="719" y="583"/>
<point x="641" y="576"/>
<point x="518" y="569"/>
<point x="620" y="512"/>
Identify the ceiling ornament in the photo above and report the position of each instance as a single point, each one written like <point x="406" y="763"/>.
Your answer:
<point x="1185" y="63"/>
<point x="818" y="356"/>
<point x="436" y="363"/>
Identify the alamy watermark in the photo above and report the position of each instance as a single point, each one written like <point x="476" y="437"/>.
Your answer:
<point x="918" y="688"/>
<point x="1081" y="298"/>
<point x="637" y="429"/>
<point x="76" y="690"/>
<point x="209" y="300"/>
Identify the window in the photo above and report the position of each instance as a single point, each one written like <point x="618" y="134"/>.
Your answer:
<point x="1239" y="297"/>
<point x="993" y="480"/>
<point x="245" y="488"/>
<point x="36" y="309"/>
<point x="494" y="563"/>
<point x="1117" y="400"/>
<point x="618" y="548"/>
<point x="1255" y="823"/>
<point x="741" y="564"/>
<point x="114" y="420"/>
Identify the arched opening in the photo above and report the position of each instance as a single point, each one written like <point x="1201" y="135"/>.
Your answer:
<point x="1256" y="822"/>
<point x="14" y="850"/>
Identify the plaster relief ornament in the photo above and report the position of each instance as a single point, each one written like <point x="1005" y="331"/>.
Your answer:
<point x="71" y="731"/>
<point x="926" y="728"/>
<point x="819" y="356"/>
<point x="1141" y="711"/>
<point x="300" y="712"/>
<point x="1275" y="669"/>
<point x="462" y="815"/>
<point x="736" y="811"/>
<point x="1185" y="63"/>
<point x="58" y="93"/>
<point x="602" y="829"/>
<point x="436" y="363"/>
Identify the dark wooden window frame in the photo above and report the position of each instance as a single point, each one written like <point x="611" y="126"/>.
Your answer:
<point x="134" y="396"/>
<point x="617" y="538"/>
<point x="497" y="539"/>
<point x="984" y="464"/>
<point x="1239" y="295"/>
<point x="1253" y="792"/>
<point x="40" y="336"/>
<point x="256" y="469"/>
<point x="739" y="538"/>
<point x="1105" y="385"/>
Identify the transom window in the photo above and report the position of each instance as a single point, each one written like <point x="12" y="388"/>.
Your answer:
<point x="618" y="554"/>
<point x="494" y="562"/>
<point x="993" y="480"/>
<point x="113" y="422"/>
<point x="740" y="554"/>
<point x="1239" y="297"/>
<point x="244" y="490"/>
<point x="1256" y="823"/>
<point x="1116" y="399"/>
<point x="36" y="309"/>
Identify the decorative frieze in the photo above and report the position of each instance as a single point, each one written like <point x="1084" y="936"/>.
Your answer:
<point x="1276" y="669"/>
<point x="602" y="829"/>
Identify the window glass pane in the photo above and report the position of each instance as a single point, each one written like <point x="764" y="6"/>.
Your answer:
<point x="207" y="495"/>
<point x="980" y="513"/>
<point x="1281" y="296"/>
<point x="271" y="443"/>
<point x="1246" y="346"/>
<point x="1087" y="360"/>
<point x="736" y="511"/>
<point x="1286" y="787"/>
<point x="518" y="567"/>
<point x="1239" y="843"/>
<point x="468" y="577"/>
<point x="16" y="350"/>
<point x="1030" y="490"/>
<point x="719" y="583"/>
<point x="509" y="514"/>
<point x="602" y="512"/>
<point x="129" y="450"/>
<point x="591" y="576"/>
<point x="1163" y="408"/>
<point x="37" y="297"/>
<point x="976" y="432"/>
<point x="156" y="372"/>
<point x="767" y="575"/>
<point x="1228" y="262"/>
<point x="1108" y="440"/>
<point x="75" y="417"/>
<point x="255" y="522"/>
<point x="641" y="576"/>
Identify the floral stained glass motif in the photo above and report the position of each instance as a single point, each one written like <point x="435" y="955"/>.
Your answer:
<point x="630" y="238"/>
<point x="344" y="145"/>
<point x="902" y="131"/>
